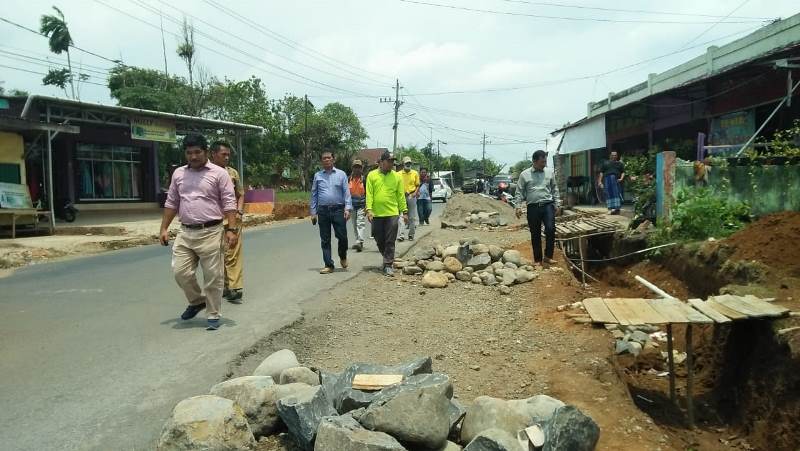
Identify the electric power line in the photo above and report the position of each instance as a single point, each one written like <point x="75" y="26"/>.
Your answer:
<point x="45" y="62"/>
<point x="638" y="11"/>
<point x="43" y="74"/>
<point x="571" y="18"/>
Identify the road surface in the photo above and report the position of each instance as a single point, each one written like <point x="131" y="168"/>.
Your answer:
<point x="94" y="357"/>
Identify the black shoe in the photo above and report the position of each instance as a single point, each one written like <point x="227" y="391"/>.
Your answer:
<point x="235" y="296"/>
<point x="359" y="247"/>
<point x="411" y="238"/>
<point x="192" y="311"/>
<point x="226" y="293"/>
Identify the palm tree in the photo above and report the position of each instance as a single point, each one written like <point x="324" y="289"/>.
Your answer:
<point x="55" y="28"/>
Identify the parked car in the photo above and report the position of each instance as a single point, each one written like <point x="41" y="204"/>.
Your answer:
<point x="441" y="190"/>
<point x="470" y="186"/>
<point x="511" y="187"/>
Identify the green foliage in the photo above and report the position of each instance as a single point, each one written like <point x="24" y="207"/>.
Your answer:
<point x="148" y="89"/>
<point x="640" y="180"/>
<point x="784" y="143"/>
<point x="518" y="167"/>
<point x="698" y="214"/>
<point x="57" y="77"/>
<point x="55" y="28"/>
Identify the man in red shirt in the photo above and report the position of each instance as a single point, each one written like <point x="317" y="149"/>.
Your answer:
<point x="200" y="194"/>
<point x="358" y="196"/>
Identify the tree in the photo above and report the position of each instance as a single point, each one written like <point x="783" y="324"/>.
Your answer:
<point x="519" y="166"/>
<point x="351" y="134"/>
<point x="149" y="89"/>
<point x="59" y="40"/>
<point x="412" y="152"/>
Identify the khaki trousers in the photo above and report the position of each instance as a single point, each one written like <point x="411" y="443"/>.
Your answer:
<point x="203" y="247"/>
<point x="233" y="265"/>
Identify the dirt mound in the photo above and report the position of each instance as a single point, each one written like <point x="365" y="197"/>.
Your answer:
<point x="289" y="210"/>
<point x="772" y="240"/>
<point x="460" y="206"/>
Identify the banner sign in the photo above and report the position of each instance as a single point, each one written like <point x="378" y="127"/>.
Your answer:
<point x="14" y="196"/>
<point x="733" y="128"/>
<point x="152" y="130"/>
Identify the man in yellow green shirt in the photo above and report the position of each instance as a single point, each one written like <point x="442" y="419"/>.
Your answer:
<point x="411" y="188"/>
<point x="386" y="201"/>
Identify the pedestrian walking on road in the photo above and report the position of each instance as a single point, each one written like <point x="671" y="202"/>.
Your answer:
<point x="537" y="188"/>
<point x="612" y="173"/>
<point x="331" y="206"/>
<point x="411" y="188"/>
<point x="386" y="201"/>
<point x="424" y="200"/>
<point x="234" y="284"/>
<point x="358" y="196"/>
<point x="200" y="194"/>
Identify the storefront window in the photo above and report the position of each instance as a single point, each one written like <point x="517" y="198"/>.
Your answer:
<point x="109" y="172"/>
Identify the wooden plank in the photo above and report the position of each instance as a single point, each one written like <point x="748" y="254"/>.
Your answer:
<point x="708" y="311"/>
<point x="635" y="311"/>
<point x="688" y="313"/>
<point x="668" y="309"/>
<point x="694" y="315"/>
<point x="597" y="309"/>
<point x="761" y="306"/>
<point x="730" y="313"/>
<point x="375" y="381"/>
<point x="733" y="303"/>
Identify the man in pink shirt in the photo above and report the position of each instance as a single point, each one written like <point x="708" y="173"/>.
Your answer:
<point x="200" y="194"/>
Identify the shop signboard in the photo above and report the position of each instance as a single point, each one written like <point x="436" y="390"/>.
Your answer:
<point x="13" y="195"/>
<point x="732" y="129"/>
<point x="152" y="130"/>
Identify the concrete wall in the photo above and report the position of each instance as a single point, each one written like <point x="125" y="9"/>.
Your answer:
<point x="768" y="188"/>
<point x="12" y="150"/>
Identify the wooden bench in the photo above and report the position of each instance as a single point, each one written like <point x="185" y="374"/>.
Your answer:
<point x="22" y="212"/>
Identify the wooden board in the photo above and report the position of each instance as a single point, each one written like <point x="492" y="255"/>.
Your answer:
<point x="751" y="306"/>
<point x="669" y="310"/>
<point x="634" y="312"/>
<point x="375" y="381"/>
<point x="597" y="309"/>
<point x="730" y="313"/>
<point x="708" y="311"/>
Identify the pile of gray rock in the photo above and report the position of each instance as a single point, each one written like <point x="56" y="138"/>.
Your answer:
<point x="480" y="219"/>
<point x="469" y="261"/>
<point x="636" y="339"/>
<point x="322" y="412"/>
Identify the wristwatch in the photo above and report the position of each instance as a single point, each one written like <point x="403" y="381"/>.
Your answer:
<point x="231" y="229"/>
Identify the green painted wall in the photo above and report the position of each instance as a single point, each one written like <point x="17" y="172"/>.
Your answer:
<point x="768" y="189"/>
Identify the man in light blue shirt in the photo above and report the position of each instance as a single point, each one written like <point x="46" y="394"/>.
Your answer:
<point x="331" y="207"/>
<point x="537" y="187"/>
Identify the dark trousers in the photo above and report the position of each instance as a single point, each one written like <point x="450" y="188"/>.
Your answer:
<point x="384" y="230"/>
<point x="332" y="217"/>
<point x="424" y="210"/>
<point x="538" y="215"/>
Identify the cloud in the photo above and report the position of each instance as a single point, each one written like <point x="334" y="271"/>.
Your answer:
<point x="424" y="58"/>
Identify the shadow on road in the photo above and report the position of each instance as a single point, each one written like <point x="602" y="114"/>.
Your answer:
<point x="178" y="323"/>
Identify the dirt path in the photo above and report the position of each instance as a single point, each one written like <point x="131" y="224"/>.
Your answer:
<point x="512" y="346"/>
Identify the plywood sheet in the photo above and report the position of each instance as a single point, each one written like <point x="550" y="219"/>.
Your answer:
<point x="598" y="311"/>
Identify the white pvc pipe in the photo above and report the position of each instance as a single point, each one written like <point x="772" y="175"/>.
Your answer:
<point x="654" y="288"/>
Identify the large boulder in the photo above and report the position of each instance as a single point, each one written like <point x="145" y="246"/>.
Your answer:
<point x="416" y="411"/>
<point x="278" y="361"/>
<point x="425" y="253"/>
<point x="450" y="251"/>
<point x="496" y="252"/>
<point x="494" y="440"/>
<point x="345" y="398"/>
<point x="512" y="256"/>
<point x="412" y="270"/>
<point x="537" y="408"/>
<point x="434" y="279"/>
<point x="299" y="374"/>
<point x="256" y="396"/>
<point x="569" y="429"/>
<point x="507" y="275"/>
<point x="524" y="276"/>
<point x="479" y="249"/>
<point x="343" y="433"/>
<point x="452" y="265"/>
<point x="479" y="261"/>
<point x="435" y="266"/>
<point x="206" y="422"/>
<point x="302" y="414"/>
<point x="491" y="413"/>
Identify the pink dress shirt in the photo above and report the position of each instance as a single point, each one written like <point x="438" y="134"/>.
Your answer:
<point x="201" y="195"/>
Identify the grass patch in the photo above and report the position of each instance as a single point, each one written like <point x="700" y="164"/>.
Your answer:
<point x="290" y="196"/>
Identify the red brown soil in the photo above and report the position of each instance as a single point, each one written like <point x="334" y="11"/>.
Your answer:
<point x="774" y="240"/>
<point x="290" y="210"/>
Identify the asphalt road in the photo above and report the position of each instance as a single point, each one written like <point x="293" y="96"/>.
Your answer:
<point x="94" y="356"/>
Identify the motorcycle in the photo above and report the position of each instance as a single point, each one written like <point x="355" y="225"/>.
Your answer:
<point x="65" y="209"/>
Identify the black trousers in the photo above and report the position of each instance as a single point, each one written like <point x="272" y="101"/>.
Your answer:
<point x="538" y="215"/>
<point x="384" y="230"/>
<point x="332" y="217"/>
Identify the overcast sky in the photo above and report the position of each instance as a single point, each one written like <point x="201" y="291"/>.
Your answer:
<point x="351" y="51"/>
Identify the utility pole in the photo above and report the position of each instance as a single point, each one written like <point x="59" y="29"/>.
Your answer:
<point x="438" y="152"/>
<point x="483" y="156"/>
<point x="305" y="142"/>
<point x="397" y="104"/>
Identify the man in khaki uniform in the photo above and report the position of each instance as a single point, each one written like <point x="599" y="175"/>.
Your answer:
<point x="234" y="286"/>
